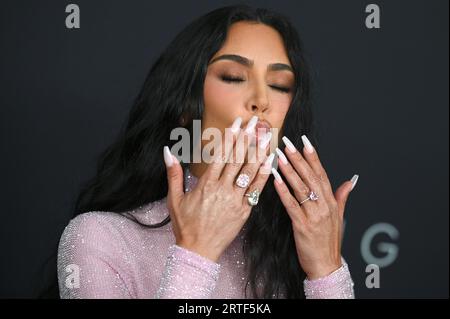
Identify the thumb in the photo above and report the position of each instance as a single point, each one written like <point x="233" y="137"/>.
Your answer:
<point x="342" y="193"/>
<point x="175" y="177"/>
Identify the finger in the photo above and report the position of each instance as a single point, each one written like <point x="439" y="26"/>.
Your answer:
<point x="214" y="169"/>
<point x="343" y="192"/>
<point x="301" y="190"/>
<point x="312" y="159"/>
<point x="293" y="208"/>
<point x="250" y="169"/>
<point x="175" y="178"/>
<point x="303" y="169"/>
<point x="305" y="189"/>
<point x="261" y="177"/>
<point x="233" y="165"/>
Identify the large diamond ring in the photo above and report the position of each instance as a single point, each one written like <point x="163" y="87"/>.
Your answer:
<point x="312" y="196"/>
<point x="243" y="180"/>
<point x="253" y="197"/>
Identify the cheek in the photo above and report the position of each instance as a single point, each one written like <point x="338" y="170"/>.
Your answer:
<point x="221" y="100"/>
<point x="281" y="100"/>
<point x="280" y="107"/>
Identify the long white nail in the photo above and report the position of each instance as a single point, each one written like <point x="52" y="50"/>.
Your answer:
<point x="289" y="144"/>
<point x="264" y="141"/>
<point x="281" y="156"/>
<point x="277" y="176"/>
<point x="269" y="160"/>
<point x="307" y="143"/>
<point x="168" y="159"/>
<point x="236" y="124"/>
<point x="175" y="159"/>
<point x="354" y="180"/>
<point x="251" y="125"/>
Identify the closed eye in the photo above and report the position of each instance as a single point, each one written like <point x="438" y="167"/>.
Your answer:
<point x="231" y="79"/>
<point x="281" y="89"/>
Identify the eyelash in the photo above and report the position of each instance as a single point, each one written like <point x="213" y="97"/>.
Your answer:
<point x="231" y="79"/>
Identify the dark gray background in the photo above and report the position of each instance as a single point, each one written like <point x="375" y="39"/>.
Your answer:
<point x="382" y="105"/>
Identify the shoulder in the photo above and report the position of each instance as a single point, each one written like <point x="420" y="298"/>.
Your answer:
<point x="97" y="230"/>
<point x="101" y="230"/>
<point x="103" y="244"/>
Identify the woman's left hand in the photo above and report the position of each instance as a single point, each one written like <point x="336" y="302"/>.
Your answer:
<point x="317" y="224"/>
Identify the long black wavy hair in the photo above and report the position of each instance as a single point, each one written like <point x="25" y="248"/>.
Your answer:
<point x="131" y="171"/>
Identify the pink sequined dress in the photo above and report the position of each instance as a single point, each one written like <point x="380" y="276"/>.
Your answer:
<point x="107" y="255"/>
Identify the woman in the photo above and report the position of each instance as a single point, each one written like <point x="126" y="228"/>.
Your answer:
<point x="218" y="228"/>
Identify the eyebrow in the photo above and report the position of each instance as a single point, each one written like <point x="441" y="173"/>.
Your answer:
<point x="249" y="63"/>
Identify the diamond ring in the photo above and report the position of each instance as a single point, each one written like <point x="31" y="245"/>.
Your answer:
<point x="312" y="196"/>
<point x="243" y="180"/>
<point x="253" y="197"/>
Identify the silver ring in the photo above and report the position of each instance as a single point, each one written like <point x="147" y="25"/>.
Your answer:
<point x="243" y="180"/>
<point x="312" y="196"/>
<point x="253" y="197"/>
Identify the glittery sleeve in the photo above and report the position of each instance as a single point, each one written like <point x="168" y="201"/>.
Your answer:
<point x="187" y="275"/>
<point x="337" y="285"/>
<point x="88" y="266"/>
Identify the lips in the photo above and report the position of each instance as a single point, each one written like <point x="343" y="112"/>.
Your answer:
<point x="262" y="127"/>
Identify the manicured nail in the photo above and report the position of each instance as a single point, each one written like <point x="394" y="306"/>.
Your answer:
<point x="251" y="125"/>
<point x="277" y="176"/>
<point x="269" y="160"/>
<point x="265" y="139"/>
<point x="307" y="143"/>
<point x="168" y="159"/>
<point x="289" y="144"/>
<point x="281" y="156"/>
<point x="175" y="159"/>
<point x="236" y="124"/>
<point x="354" y="180"/>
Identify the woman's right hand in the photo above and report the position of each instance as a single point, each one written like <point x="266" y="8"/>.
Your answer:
<point x="207" y="219"/>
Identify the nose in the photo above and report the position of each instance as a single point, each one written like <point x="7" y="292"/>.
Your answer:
<point x="259" y="101"/>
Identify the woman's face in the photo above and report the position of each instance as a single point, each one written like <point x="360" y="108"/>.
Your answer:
<point x="250" y="75"/>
